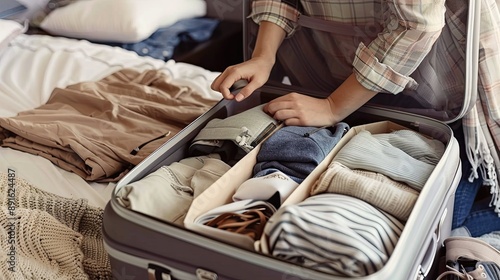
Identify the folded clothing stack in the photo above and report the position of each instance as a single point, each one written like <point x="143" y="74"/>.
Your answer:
<point x="387" y="170"/>
<point x="403" y="155"/>
<point x="333" y="233"/>
<point x="168" y="192"/>
<point x="276" y="175"/>
<point x="297" y="150"/>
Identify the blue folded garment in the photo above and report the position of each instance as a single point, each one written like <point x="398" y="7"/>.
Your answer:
<point x="161" y="44"/>
<point x="9" y="8"/>
<point x="297" y="150"/>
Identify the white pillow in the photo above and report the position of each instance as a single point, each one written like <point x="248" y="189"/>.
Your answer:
<point x="122" y="21"/>
<point x="9" y="29"/>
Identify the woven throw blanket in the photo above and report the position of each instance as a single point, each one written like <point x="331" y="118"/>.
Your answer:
<point x="45" y="236"/>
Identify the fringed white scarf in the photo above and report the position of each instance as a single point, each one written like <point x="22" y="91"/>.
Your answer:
<point x="483" y="159"/>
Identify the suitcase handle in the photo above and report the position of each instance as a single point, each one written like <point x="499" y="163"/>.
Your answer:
<point x="156" y="272"/>
<point x="239" y="84"/>
<point x="427" y="263"/>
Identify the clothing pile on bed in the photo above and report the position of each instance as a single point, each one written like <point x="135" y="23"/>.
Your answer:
<point x="100" y="130"/>
<point x="163" y="42"/>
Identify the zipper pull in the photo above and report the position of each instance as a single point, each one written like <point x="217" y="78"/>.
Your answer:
<point x="307" y="134"/>
<point x="136" y="149"/>
<point x="242" y="139"/>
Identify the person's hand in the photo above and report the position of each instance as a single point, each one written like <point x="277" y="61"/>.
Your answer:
<point x="301" y="110"/>
<point x="256" y="71"/>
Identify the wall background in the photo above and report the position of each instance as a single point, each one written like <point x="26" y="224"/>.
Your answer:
<point x="230" y="10"/>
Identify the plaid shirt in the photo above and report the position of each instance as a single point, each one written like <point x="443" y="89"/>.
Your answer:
<point x="410" y="30"/>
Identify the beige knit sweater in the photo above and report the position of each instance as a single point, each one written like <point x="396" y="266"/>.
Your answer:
<point x="45" y="236"/>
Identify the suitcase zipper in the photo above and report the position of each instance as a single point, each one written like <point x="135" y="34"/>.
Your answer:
<point x="136" y="149"/>
<point x="266" y="132"/>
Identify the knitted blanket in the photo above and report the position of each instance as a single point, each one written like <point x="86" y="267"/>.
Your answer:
<point x="45" y="236"/>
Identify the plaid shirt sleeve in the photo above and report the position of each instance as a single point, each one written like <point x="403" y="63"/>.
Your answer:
<point x="277" y="12"/>
<point x="412" y="28"/>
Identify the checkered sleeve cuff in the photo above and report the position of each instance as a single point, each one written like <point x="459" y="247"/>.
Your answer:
<point x="276" y="12"/>
<point x="377" y="76"/>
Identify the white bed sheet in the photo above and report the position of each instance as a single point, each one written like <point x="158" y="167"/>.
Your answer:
<point x="33" y="65"/>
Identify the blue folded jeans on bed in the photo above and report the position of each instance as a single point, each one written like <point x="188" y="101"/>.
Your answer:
<point x="161" y="44"/>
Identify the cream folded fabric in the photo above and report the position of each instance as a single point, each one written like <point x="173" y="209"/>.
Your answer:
<point x="404" y="155"/>
<point x="377" y="189"/>
<point x="168" y="192"/>
<point x="264" y="187"/>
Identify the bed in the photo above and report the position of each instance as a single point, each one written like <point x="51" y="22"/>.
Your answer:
<point x="31" y="67"/>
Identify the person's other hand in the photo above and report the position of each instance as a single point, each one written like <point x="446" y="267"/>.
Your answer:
<point x="256" y="71"/>
<point x="301" y="110"/>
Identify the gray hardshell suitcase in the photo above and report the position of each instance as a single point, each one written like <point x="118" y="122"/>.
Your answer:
<point x="143" y="247"/>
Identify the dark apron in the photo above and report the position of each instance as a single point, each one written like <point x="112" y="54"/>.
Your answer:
<point x="319" y="56"/>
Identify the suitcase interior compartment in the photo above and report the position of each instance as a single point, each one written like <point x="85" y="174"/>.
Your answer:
<point x="173" y="246"/>
<point x="222" y="190"/>
<point x="166" y="250"/>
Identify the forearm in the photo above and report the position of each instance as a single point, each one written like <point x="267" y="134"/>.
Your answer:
<point x="348" y="97"/>
<point x="268" y="41"/>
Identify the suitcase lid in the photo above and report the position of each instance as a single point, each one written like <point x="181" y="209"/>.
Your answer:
<point x="293" y="52"/>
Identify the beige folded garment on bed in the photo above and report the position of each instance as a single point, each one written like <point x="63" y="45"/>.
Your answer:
<point x="99" y="130"/>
